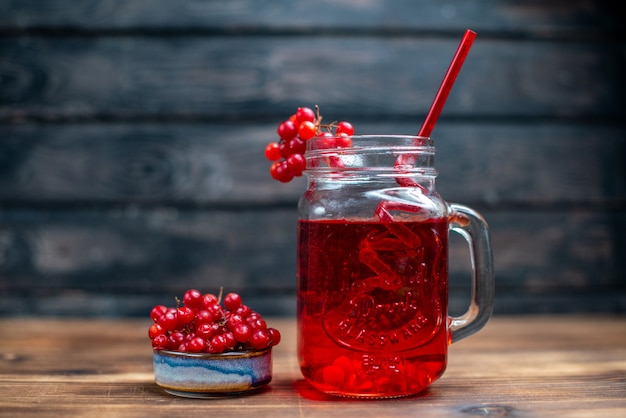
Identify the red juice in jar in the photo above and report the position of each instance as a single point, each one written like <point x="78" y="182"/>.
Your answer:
<point x="372" y="305"/>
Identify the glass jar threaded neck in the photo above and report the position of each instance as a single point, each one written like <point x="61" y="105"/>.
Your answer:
<point x="371" y="156"/>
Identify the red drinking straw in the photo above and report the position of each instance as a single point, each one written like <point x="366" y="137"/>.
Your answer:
<point x="446" y="84"/>
<point x="405" y="160"/>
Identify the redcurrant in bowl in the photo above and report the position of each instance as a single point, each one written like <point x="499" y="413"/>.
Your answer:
<point x="205" y="375"/>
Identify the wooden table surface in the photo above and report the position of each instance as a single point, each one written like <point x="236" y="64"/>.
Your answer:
<point x="515" y="367"/>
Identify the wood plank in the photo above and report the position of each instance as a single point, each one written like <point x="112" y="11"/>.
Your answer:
<point x="146" y="175"/>
<point x="532" y="366"/>
<point x="504" y="16"/>
<point x="251" y="77"/>
<point x="206" y="164"/>
<point x="123" y="262"/>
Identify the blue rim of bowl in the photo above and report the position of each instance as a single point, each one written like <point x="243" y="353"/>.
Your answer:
<point x="249" y="378"/>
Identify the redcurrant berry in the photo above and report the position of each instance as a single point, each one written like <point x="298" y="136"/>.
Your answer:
<point x="296" y="146"/>
<point x="344" y="128"/>
<point x="160" y="342"/>
<point x="229" y="340"/>
<point x="203" y="317"/>
<point x="287" y="130"/>
<point x="242" y="333"/>
<point x="216" y="311"/>
<point x="157" y="312"/>
<point x="257" y="324"/>
<point x="176" y="338"/>
<point x="235" y="320"/>
<point x="305" y="114"/>
<point x="343" y="141"/>
<point x="326" y="142"/>
<point x="244" y="311"/>
<point x="169" y="321"/>
<point x="205" y="331"/>
<point x="283" y="149"/>
<point x="296" y="164"/>
<point x="217" y="344"/>
<point x="272" y="151"/>
<point x="192" y="298"/>
<point x="279" y="172"/>
<point x="306" y="130"/>
<point x="209" y="299"/>
<point x="155" y="329"/>
<point x="259" y="340"/>
<point x="185" y="315"/>
<point x="196" y="345"/>
<point x="274" y="335"/>
<point x="232" y="301"/>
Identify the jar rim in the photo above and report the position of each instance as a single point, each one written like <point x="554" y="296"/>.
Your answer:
<point x="387" y="155"/>
<point x="379" y="141"/>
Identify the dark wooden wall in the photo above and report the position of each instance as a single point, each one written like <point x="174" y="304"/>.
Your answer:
<point x="132" y="136"/>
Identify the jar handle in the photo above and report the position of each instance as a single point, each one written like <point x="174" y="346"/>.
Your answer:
<point x="471" y="226"/>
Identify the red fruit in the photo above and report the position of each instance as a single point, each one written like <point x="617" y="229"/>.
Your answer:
<point x="196" y="345"/>
<point x="272" y="151"/>
<point x="217" y="344"/>
<point x="344" y="128"/>
<point x="192" y="298"/>
<point x="155" y="329"/>
<point x="296" y="164"/>
<point x="242" y="333"/>
<point x="216" y="311"/>
<point x="205" y="331"/>
<point x="210" y="326"/>
<point x="160" y="342"/>
<point x="232" y="301"/>
<point x="229" y="340"/>
<point x="305" y="114"/>
<point x="343" y="141"/>
<point x="209" y="299"/>
<point x="257" y="324"/>
<point x="279" y="172"/>
<point x="219" y="329"/>
<point x="157" y="312"/>
<point x="169" y="321"/>
<point x="176" y="338"/>
<point x="325" y="142"/>
<point x="296" y="146"/>
<point x="203" y="317"/>
<point x="244" y="311"/>
<point x="235" y="320"/>
<point x="274" y="335"/>
<point x="287" y="130"/>
<point x="306" y="130"/>
<point x="185" y="315"/>
<point x="283" y="149"/>
<point x="260" y="340"/>
<point x="253" y="316"/>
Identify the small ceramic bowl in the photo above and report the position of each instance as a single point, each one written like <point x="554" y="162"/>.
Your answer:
<point x="203" y="375"/>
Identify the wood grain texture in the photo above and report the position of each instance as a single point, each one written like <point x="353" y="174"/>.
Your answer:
<point x="129" y="260"/>
<point x="541" y="19"/>
<point x="131" y="136"/>
<point x="259" y="75"/>
<point x="548" y="164"/>
<point x="514" y="367"/>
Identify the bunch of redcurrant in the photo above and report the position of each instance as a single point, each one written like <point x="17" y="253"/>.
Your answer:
<point x="205" y="324"/>
<point x="287" y="154"/>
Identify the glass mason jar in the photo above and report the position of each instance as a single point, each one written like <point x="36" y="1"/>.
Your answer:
<point x="372" y="268"/>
